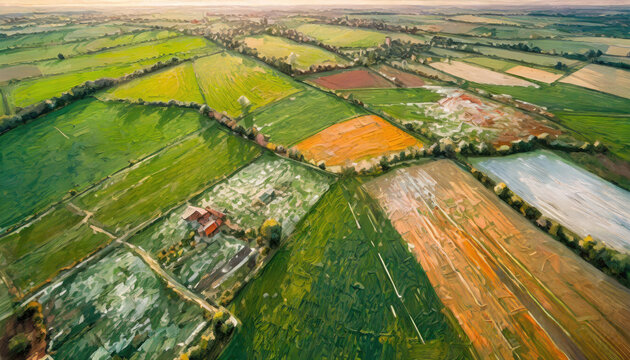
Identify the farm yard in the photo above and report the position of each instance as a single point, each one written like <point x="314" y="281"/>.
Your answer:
<point x="357" y="143"/>
<point x="200" y="264"/>
<point x="457" y="230"/>
<point x="269" y="188"/>
<point x="222" y="182"/>
<point x="584" y="202"/>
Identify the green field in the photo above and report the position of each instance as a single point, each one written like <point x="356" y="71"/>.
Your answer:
<point x="612" y="130"/>
<point x="503" y="65"/>
<point x="30" y="91"/>
<point x="305" y="55"/>
<point x="29" y="55"/>
<point x="562" y="97"/>
<point x="63" y="34"/>
<point x="171" y="177"/>
<point x="128" y="54"/>
<point x="394" y="96"/>
<point x="80" y="144"/>
<point x="224" y="78"/>
<point x="178" y="83"/>
<point x="513" y="32"/>
<point x="341" y="36"/>
<point x="326" y="293"/>
<point x="118" y="308"/>
<point x="38" y="252"/>
<point x="6" y="302"/>
<point x="299" y="116"/>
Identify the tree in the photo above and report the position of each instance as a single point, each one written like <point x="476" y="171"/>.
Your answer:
<point x="60" y="56"/>
<point x="271" y="231"/>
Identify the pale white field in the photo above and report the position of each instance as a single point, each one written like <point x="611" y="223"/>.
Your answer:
<point x="480" y="75"/>
<point x="602" y="78"/>
<point x="577" y="199"/>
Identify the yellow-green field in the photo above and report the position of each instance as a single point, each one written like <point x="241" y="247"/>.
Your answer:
<point x="343" y="36"/>
<point x="305" y="55"/>
<point x="177" y="83"/>
<point x="224" y="78"/>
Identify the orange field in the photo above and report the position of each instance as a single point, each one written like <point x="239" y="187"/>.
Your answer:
<point x="516" y="292"/>
<point x="355" y="140"/>
<point x="534" y="74"/>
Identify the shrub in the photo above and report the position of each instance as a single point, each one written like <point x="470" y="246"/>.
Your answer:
<point x="19" y="344"/>
<point x="271" y="231"/>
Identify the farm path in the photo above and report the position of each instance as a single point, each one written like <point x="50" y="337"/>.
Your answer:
<point x="180" y="289"/>
<point x="514" y="290"/>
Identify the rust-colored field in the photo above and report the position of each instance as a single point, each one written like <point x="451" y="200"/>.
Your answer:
<point x="353" y="79"/>
<point x="355" y="140"/>
<point x="534" y="74"/>
<point x="400" y="77"/>
<point x="516" y="292"/>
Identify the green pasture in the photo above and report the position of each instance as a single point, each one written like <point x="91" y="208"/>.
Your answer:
<point x="613" y="130"/>
<point x="60" y="250"/>
<point x="225" y="77"/>
<point x="178" y="83"/>
<point x="564" y="97"/>
<point x="128" y="54"/>
<point x="68" y="50"/>
<point x="78" y="145"/>
<point x="394" y="96"/>
<point x="299" y="116"/>
<point x="341" y="36"/>
<point x="527" y="57"/>
<point x="147" y="190"/>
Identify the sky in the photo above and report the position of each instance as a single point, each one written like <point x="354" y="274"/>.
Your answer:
<point x="346" y="3"/>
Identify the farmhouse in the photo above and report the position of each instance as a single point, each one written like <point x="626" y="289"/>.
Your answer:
<point x="209" y="220"/>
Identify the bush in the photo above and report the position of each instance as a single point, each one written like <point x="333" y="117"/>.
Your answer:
<point x="19" y="344"/>
<point x="271" y="231"/>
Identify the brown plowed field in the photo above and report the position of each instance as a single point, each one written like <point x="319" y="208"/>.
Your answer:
<point x="354" y="140"/>
<point x="404" y="78"/>
<point x="353" y="79"/>
<point x="515" y="291"/>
